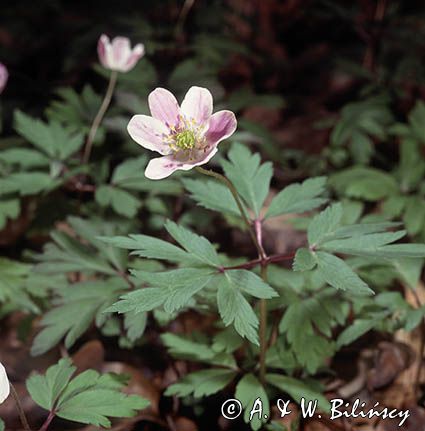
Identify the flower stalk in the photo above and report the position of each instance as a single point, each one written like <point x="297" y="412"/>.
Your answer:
<point x="99" y="116"/>
<point x="238" y="201"/>
<point x="263" y="260"/>
<point x="21" y="411"/>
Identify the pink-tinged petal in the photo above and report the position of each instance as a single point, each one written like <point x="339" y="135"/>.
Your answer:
<point x="197" y="105"/>
<point x="164" y="106"/>
<point x="136" y="54"/>
<point x="4" y="75"/>
<point x="149" y="133"/>
<point x="121" y="51"/>
<point x="163" y="167"/>
<point x="101" y="50"/>
<point x="222" y="125"/>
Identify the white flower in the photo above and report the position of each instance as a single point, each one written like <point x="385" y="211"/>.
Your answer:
<point x="186" y="136"/>
<point x="4" y="384"/>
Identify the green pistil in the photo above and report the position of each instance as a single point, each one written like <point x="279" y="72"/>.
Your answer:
<point x="185" y="140"/>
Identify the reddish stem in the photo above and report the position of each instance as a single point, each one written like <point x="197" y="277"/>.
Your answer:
<point x="261" y="261"/>
<point x="47" y="421"/>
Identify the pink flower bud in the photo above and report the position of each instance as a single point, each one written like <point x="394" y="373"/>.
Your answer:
<point x="4" y="384"/>
<point x="118" y="55"/>
<point x="3" y="77"/>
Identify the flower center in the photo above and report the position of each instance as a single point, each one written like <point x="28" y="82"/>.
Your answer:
<point x="185" y="140"/>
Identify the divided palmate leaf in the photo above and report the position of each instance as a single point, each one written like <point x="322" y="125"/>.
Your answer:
<point x="201" y="383"/>
<point x="212" y="195"/>
<point x="87" y="300"/>
<point x="298" y="198"/>
<point x="89" y="398"/>
<point x="247" y="391"/>
<point x="53" y="139"/>
<point x="251" y="179"/>
<point x="173" y="290"/>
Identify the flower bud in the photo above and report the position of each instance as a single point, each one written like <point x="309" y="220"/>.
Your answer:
<point x="118" y="54"/>
<point x="3" y="77"/>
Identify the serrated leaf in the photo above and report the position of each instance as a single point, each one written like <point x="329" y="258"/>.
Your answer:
<point x="362" y="245"/>
<point x="247" y="391"/>
<point x="212" y="195"/>
<point x="298" y="198"/>
<point x="53" y="139"/>
<point x="250" y="283"/>
<point x="198" y="246"/>
<point x="251" y="179"/>
<point x="201" y="383"/>
<point x="358" y="328"/>
<point x="338" y="274"/>
<point x="135" y="324"/>
<point x="298" y="389"/>
<point x="27" y="183"/>
<point x="307" y="322"/>
<point x="304" y="260"/>
<point x="176" y="288"/>
<point x="150" y="247"/>
<point x="88" y="398"/>
<point x="235" y="309"/>
<point x="324" y="224"/>
<point x="87" y="300"/>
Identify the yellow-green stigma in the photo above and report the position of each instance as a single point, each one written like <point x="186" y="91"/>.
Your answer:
<point x="185" y="140"/>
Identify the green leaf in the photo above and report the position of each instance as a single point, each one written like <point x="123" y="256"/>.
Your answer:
<point x="87" y="300"/>
<point x="304" y="260"/>
<point x="150" y="247"/>
<point x="27" y="183"/>
<point x="358" y="328"/>
<point x="175" y="290"/>
<point x="212" y="195"/>
<point x="298" y="198"/>
<point x="182" y="347"/>
<point x="198" y="246"/>
<point x="364" y="183"/>
<point x="88" y="398"/>
<point x="123" y="202"/>
<point x="201" y="383"/>
<point x="88" y="254"/>
<point x="338" y="274"/>
<point x="414" y="215"/>
<point x="25" y="158"/>
<point x="235" y="309"/>
<point x="410" y="270"/>
<point x="19" y="288"/>
<point x="298" y="389"/>
<point x="9" y="209"/>
<point x="247" y="391"/>
<point x="308" y="323"/>
<point x="251" y="179"/>
<point x="45" y="390"/>
<point x="363" y="245"/>
<point x="53" y="139"/>
<point x="324" y="224"/>
<point x="248" y="282"/>
<point x="135" y="324"/>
